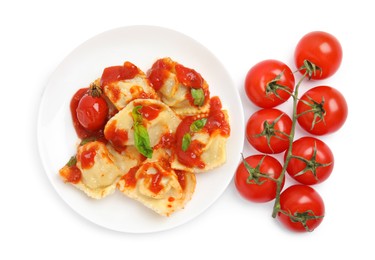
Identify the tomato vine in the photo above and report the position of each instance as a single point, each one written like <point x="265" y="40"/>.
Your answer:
<point x="312" y="113"/>
<point x="276" y="207"/>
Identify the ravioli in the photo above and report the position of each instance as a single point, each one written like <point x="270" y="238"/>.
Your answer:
<point x="181" y="88"/>
<point x="157" y="186"/>
<point x="161" y="130"/>
<point x="94" y="169"/>
<point x="122" y="84"/>
<point x="157" y="118"/>
<point x="201" y="140"/>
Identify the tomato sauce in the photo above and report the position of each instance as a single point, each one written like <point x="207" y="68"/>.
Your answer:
<point x="216" y="119"/>
<point x="167" y="141"/>
<point x="190" y="157"/>
<point x="181" y="176"/>
<point x="117" y="137"/>
<point x="158" y="73"/>
<point x="72" y="174"/>
<point x="117" y="73"/>
<point x="188" y="77"/>
<point x="155" y="185"/>
<point x="150" y="112"/>
<point x="129" y="178"/>
<point x="87" y="157"/>
<point x="115" y="92"/>
<point x="137" y="92"/>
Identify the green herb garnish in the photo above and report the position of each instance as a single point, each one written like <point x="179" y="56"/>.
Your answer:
<point x="141" y="137"/>
<point x="198" y="96"/>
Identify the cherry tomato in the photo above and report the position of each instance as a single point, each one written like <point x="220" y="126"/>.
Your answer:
<point x="322" y="110"/>
<point x="301" y="208"/>
<point x="249" y="181"/>
<point x="92" y="112"/>
<point x="321" y="49"/>
<point x="269" y="83"/>
<point x="267" y="130"/>
<point x="312" y="161"/>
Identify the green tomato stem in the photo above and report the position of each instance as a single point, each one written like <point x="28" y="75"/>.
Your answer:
<point x="279" y="180"/>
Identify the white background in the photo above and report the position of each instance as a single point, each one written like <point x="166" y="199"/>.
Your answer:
<point x="37" y="35"/>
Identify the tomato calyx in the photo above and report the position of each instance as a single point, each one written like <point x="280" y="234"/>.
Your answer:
<point x="269" y="131"/>
<point x="95" y="90"/>
<point x="273" y="86"/>
<point x="310" y="68"/>
<point x="316" y="108"/>
<point x="254" y="173"/>
<point x="311" y="165"/>
<point x="301" y="217"/>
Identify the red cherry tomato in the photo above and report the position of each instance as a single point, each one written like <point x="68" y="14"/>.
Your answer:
<point x="92" y="112"/>
<point x="301" y="208"/>
<point x="322" y="110"/>
<point x="267" y="130"/>
<point x="253" y="186"/>
<point x="323" y="50"/>
<point x="312" y="161"/>
<point x="269" y="83"/>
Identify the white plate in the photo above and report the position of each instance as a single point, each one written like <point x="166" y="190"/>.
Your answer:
<point x="141" y="45"/>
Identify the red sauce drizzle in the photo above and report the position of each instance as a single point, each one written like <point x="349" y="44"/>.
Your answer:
<point x="158" y="73"/>
<point x="155" y="185"/>
<point x="216" y="121"/>
<point x="216" y="118"/>
<point x="190" y="157"/>
<point x="181" y="176"/>
<point x="117" y="137"/>
<point x="72" y="175"/>
<point x="188" y="77"/>
<point x="87" y="157"/>
<point x="167" y="141"/>
<point x="150" y="112"/>
<point x="115" y="92"/>
<point x="130" y="180"/>
<point x="117" y="73"/>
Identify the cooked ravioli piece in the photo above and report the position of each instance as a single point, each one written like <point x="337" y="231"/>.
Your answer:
<point x="201" y="140"/>
<point x="157" y="186"/>
<point x="125" y="158"/>
<point x="122" y="84"/>
<point x="95" y="170"/>
<point x="155" y="118"/>
<point x="181" y="88"/>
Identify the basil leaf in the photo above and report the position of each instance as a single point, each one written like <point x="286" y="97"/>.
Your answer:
<point x="72" y="161"/>
<point x="137" y="116"/>
<point x="186" y="140"/>
<point x="198" y="124"/>
<point x="141" y="137"/>
<point x="142" y="140"/>
<point x="198" y="96"/>
<point x="87" y="140"/>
